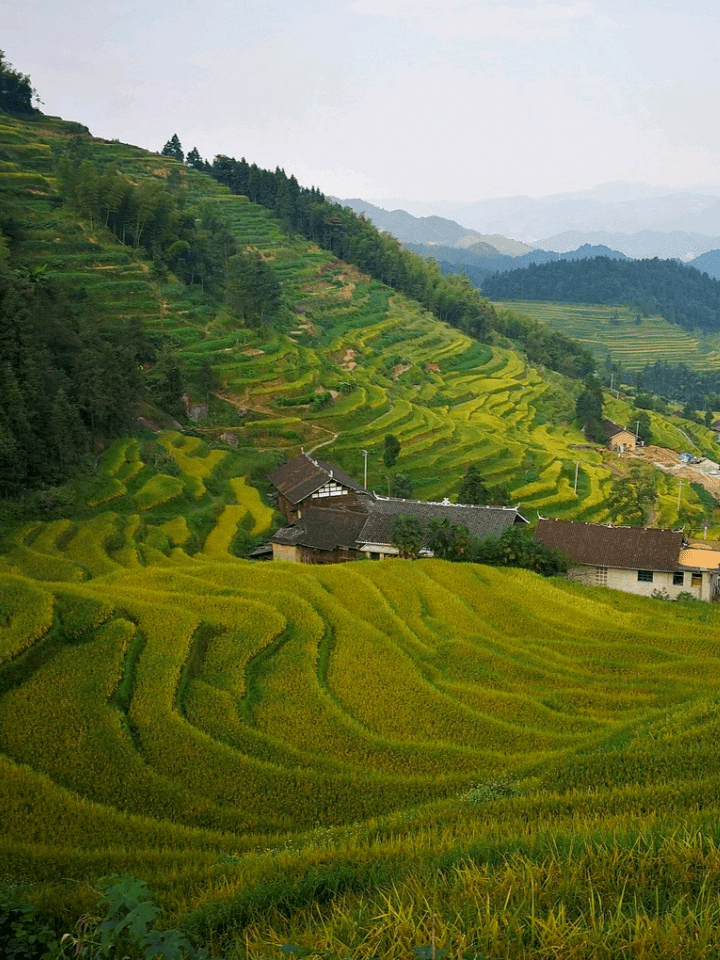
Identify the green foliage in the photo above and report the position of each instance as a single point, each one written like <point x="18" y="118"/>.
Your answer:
<point x="391" y="450"/>
<point x="474" y="490"/>
<point x="16" y="91"/>
<point x="515" y="547"/>
<point x="680" y="294"/>
<point x="354" y="239"/>
<point x="129" y="925"/>
<point x="589" y="410"/>
<point x="400" y="486"/>
<point x="644" y="426"/>
<point x="407" y="535"/>
<point x="23" y="935"/>
<point x="632" y="497"/>
<point x="173" y="148"/>
<point x="448" y="541"/>
<point x="252" y="288"/>
<point x="63" y="381"/>
<point x="550" y="348"/>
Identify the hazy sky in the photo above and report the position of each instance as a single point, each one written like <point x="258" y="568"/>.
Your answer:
<point x="425" y="99"/>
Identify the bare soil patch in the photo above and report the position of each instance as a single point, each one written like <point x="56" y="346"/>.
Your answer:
<point x="667" y="461"/>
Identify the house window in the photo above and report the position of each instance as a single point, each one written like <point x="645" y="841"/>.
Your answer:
<point x="601" y="576"/>
<point x="330" y="489"/>
<point x="645" y="576"/>
<point x="696" y="580"/>
<point x="679" y="579"/>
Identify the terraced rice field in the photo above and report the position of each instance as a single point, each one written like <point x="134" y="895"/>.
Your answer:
<point x="386" y="365"/>
<point x="393" y="759"/>
<point x="373" y="741"/>
<point x="615" y="332"/>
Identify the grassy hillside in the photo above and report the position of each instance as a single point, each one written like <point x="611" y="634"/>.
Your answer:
<point x="378" y="759"/>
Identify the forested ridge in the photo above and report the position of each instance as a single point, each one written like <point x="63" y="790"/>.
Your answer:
<point x="679" y="293"/>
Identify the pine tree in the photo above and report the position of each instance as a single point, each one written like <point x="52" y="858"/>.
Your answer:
<point x="173" y="149"/>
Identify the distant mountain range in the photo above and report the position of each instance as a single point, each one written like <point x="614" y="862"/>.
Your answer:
<point x="434" y="230"/>
<point x="643" y="245"/>
<point x="456" y="246"/>
<point x="625" y="208"/>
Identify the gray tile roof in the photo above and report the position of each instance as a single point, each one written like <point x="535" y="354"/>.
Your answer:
<point x="480" y="521"/>
<point x="626" y="548"/>
<point x="303" y="475"/>
<point x="324" y="528"/>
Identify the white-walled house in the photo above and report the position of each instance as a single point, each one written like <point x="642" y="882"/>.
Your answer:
<point x="634" y="559"/>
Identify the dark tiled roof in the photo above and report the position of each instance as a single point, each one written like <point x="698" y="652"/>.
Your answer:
<point x="627" y="548"/>
<point x="480" y="521"/>
<point x="612" y="429"/>
<point x="324" y="528"/>
<point x="303" y="475"/>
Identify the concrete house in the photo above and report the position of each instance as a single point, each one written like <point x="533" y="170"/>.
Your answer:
<point x="620" y="439"/>
<point x="635" y="559"/>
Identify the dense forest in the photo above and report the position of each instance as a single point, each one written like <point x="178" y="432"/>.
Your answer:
<point x="677" y="292"/>
<point x="65" y="381"/>
<point x="698" y="389"/>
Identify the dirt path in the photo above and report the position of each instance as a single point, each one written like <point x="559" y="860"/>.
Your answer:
<point x="667" y="461"/>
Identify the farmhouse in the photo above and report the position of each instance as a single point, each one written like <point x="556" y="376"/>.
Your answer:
<point x="305" y="482"/>
<point x="334" y="519"/>
<point x="635" y="559"/>
<point x="619" y="438"/>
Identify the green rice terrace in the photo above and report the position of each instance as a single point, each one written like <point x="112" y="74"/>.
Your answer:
<point x="365" y="760"/>
<point x="618" y="333"/>
<point x="396" y="759"/>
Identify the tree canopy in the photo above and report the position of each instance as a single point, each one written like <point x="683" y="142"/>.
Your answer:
<point x="16" y="89"/>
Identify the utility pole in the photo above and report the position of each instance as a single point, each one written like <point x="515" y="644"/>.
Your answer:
<point x="680" y="483"/>
<point x="577" y="467"/>
<point x="365" y="454"/>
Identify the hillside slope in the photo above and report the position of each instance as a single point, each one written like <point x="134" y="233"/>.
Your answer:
<point x="346" y="360"/>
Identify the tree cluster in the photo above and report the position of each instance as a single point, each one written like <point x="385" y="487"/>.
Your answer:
<point x="16" y="89"/>
<point x="589" y="410"/>
<point x="193" y="242"/>
<point x="473" y="490"/>
<point x="546" y="347"/>
<point x="677" y="292"/>
<point x="515" y="547"/>
<point x="700" y="389"/>
<point x="65" y="382"/>
<point x="251" y="288"/>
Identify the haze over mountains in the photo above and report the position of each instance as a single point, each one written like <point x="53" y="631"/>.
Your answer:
<point x="633" y="218"/>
